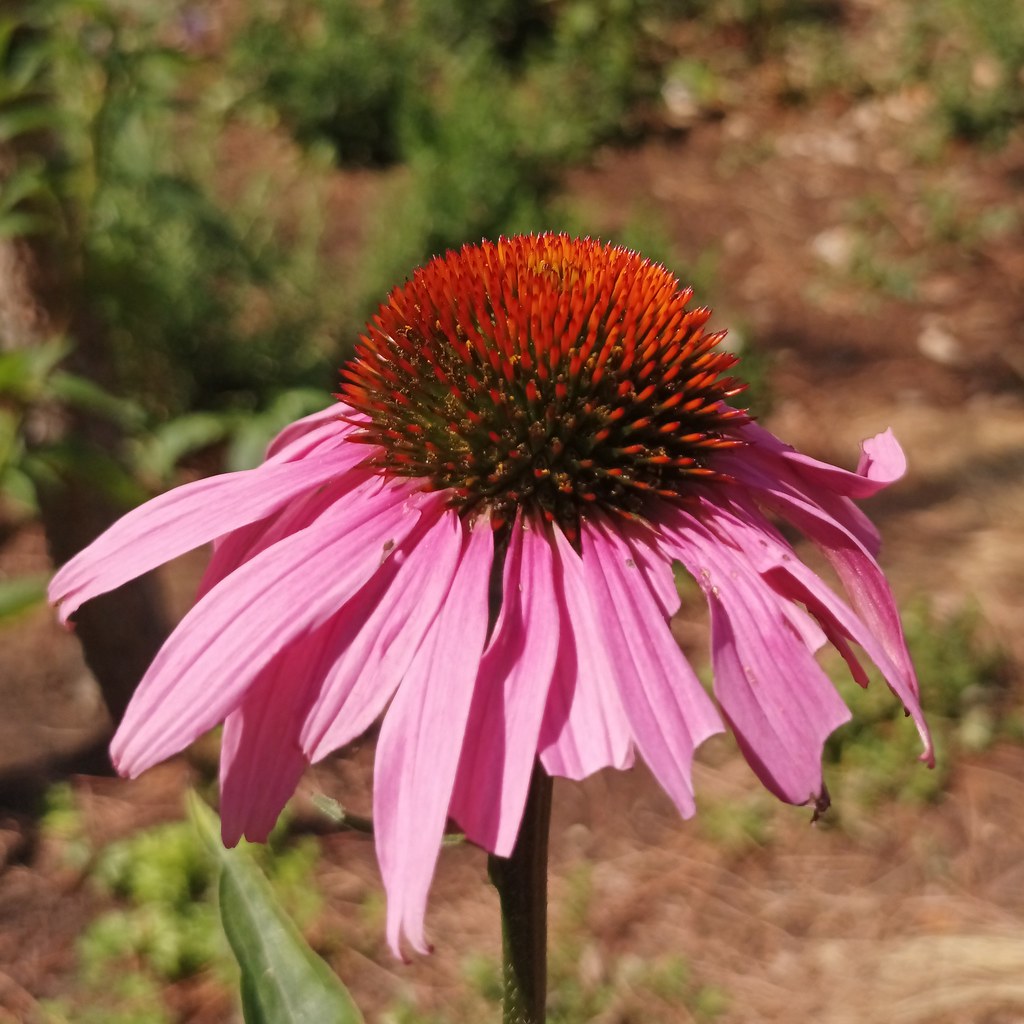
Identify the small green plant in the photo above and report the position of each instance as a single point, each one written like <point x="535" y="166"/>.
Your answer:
<point x="971" y="53"/>
<point x="167" y="920"/>
<point x="949" y="220"/>
<point x="739" y="825"/>
<point x="126" y="998"/>
<point x="61" y="822"/>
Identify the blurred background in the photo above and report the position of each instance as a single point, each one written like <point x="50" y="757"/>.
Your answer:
<point x="200" y="205"/>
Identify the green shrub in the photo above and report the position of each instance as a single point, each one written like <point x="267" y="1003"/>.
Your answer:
<point x="195" y="302"/>
<point x="485" y="105"/>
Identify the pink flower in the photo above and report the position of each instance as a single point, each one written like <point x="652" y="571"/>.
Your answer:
<point x="477" y="542"/>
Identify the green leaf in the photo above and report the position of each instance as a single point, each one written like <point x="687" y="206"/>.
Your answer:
<point x="18" y="493"/>
<point x="86" y="395"/>
<point x="158" y="456"/>
<point x="26" y="181"/>
<point x="11" y="446"/>
<point x="23" y="372"/>
<point x="283" y="980"/>
<point x="254" y="433"/>
<point x="21" y="594"/>
<point x="27" y="119"/>
<point x="22" y="225"/>
<point x="75" y="460"/>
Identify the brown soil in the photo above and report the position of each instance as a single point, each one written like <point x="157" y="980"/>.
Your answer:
<point x="913" y="914"/>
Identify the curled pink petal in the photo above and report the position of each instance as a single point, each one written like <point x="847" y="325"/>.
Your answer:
<point x="881" y="460"/>
<point x="882" y="463"/>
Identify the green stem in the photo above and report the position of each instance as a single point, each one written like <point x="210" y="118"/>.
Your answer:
<point x="522" y="883"/>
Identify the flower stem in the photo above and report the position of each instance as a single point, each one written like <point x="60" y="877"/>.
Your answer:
<point x="522" y="883"/>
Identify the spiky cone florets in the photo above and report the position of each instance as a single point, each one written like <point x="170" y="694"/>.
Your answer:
<point x="547" y="374"/>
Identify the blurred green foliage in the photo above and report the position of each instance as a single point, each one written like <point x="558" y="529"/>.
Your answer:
<point x="201" y="301"/>
<point x="32" y="386"/>
<point x="972" y="53"/>
<point x="384" y="81"/>
<point x="484" y="104"/>
<point x="966" y="55"/>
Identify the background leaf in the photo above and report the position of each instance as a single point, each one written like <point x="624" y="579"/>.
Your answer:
<point x="21" y="594"/>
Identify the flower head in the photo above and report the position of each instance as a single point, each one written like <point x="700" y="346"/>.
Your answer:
<point x="477" y="541"/>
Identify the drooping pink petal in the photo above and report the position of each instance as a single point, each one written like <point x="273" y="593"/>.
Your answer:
<point x="185" y="518"/>
<point x="385" y="625"/>
<point x="668" y="711"/>
<point x="779" y="565"/>
<point x="882" y="462"/>
<point x="420" y="742"/>
<point x="585" y="727"/>
<point x="738" y="523"/>
<point x="780" y="704"/>
<point x="208" y="663"/>
<point x="773" y="481"/>
<point x="510" y="696"/>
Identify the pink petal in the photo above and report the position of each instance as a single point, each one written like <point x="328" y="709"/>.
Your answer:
<point x="882" y="462"/>
<point x="186" y="518"/>
<point x="876" y="627"/>
<point x="780" y="704"/>
<point x="510" y="697"/>
<point x="210" y="660"/>
<point x="668" y="711"/>
<point x="260" y="759"/>
<point x="299" y="438"/>
<point x="237" y="547"/>
<point x="881" y="459"/>
<point x="385" y="625"/>
<point x="420" y="742"/>
<point x="657" y="573"/>
<point x="585" y="727"/>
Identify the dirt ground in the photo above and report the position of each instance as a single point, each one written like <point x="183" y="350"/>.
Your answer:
<point x="913" y="916"/>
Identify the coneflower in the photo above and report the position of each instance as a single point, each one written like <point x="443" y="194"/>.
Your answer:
<point x="477" y="542"/>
